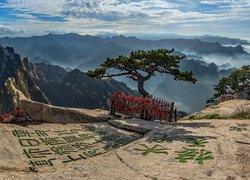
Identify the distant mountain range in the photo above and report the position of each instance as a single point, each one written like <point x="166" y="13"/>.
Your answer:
<point x="51" y="84"/>
<point x="206" y="38"/>
<point x="223" y="40"/>
<point x="89" y="51"/>
<point x="54" y="56"/>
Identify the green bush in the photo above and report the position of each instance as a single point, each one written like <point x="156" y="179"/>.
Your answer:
<point x="208" y="116"/>
<point x="242" y="115"/>
<point x="235" y="82"/>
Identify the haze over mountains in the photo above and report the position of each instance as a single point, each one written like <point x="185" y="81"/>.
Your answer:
<point x="74" y="49"/>
<point x="209" y="57"/>
<point x="206" y="37"/>
<point x="51" y="84"/>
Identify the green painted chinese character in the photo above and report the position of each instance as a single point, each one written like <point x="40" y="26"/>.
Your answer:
<point x="155" y="149"/>
<point x="42" y="162"/>
<point x="66" y="149"/>
<point x="36" y="153"/>
<point x="92" y="153"/>
<point x="160" y="138"/>
<point x="28" y="142"/>
<point x="71" y="159"/>
<point x="186" y="154"/>
<point x="21" y="133"/>
<point x="41" y="133"/>
<point x="197" y="143"/>
<point x="203" y="156"/>
<point x="82" y="145"/>
<point x="52" y="141"/>
<point x="63" y="132"/>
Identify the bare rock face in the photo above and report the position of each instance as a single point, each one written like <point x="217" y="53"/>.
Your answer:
<point x="15" y="82"/>
<point x="243" y="94"/>
<point x="9" y="62"/>
<point x="16" y="87"/>
<point x="51" y="84"/>
<point x="54" y="114"/>
<point x="197" y="149"/>
<point x="225" y="97"/>
<point x="135" y="125"/>
<point x="226" y="109"/>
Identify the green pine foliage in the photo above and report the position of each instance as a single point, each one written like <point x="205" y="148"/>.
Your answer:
<point x="141" y="65"/>
<point x="235" y="82"/>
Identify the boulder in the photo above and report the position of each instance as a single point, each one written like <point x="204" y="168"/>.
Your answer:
<point x="54" y="114"/>
<point x="243" y="94"/>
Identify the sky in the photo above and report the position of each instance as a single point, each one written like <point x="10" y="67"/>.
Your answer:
<point x="229" y="18"/>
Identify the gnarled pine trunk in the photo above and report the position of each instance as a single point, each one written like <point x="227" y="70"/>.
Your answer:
<point x="144" y="93"/>
<point x="141" y="89"/>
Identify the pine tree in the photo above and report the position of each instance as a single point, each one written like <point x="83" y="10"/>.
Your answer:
<point x="235" y="82"/>
<point x="142" y="65"/>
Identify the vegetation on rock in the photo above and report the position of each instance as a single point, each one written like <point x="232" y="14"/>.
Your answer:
<point x="237" y="81"/>
<point x="242" y="115"/>
<point x="207" y="116"/>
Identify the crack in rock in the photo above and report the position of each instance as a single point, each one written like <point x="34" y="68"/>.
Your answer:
<point x="130" y="167"/>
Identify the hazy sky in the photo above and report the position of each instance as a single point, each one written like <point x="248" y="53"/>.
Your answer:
<point x="186" y="17"/>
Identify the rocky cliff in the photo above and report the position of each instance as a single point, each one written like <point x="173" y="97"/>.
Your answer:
<point x="47" y="83"/>
<point x="16" y="82"/>
<point x="76" y="89"/>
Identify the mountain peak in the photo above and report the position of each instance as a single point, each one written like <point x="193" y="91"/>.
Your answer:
<point x="76" y="75"/>
<point x="239" y="48"/>
<point x="9" y="62"/>
<point x="16" y="80"/>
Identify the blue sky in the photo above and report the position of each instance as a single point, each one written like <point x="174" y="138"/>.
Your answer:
<point x="130" y="17"/>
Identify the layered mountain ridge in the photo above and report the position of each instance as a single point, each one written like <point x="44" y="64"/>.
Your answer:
<point x="16" y="81"/>
<point x="90" y="51"/>
<point x="208" y="59"/>
<point x="50" y="84"/>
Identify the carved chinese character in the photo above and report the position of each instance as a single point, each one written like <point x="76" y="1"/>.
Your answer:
<point x="52" y="141"/>
<point x="76" y="130"/>
<point x="86" y="136"/>
<point x="68" y="132"/>
<point x="186" y="154"/>
<point x="92" y="153"/>
<point x="82" y="145"/>
<point x="71" y="159"/>
<point x="21" y="133"/>
<point x="66" y="149"/>
<point x="41" y="133"/>
<point x="28" y="142"/>
<point x="71" y="139"/>
<point x="36" y="153"/>
<point x="203" y="156"/>
<point x="82" y="137"/>
<point x="160" y="138"/>
<point x="42" y="162"/>
<point x="63" y="132"/>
